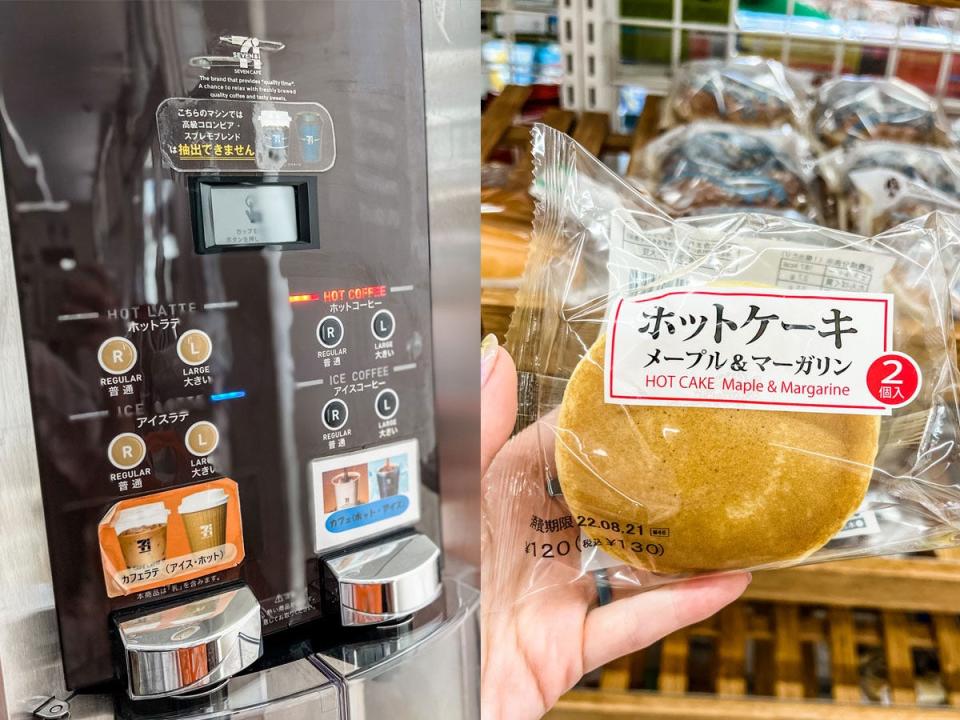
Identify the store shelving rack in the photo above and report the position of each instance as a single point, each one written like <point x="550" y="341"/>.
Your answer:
<point x="589" y="34"/>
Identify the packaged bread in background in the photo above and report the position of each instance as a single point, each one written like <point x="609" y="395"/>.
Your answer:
<point x="709" y="164"/>
<point x="506" y="211"/>
<point x="852" y="108"/>
<point x="876" y="185"/>
<point x="725" y="392"/>
<point x="748" y="90"/>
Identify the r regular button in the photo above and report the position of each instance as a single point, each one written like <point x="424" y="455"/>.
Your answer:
<point x="330" y="331"/>
<point x="117" y="355"/>
<point x="126" y="451"/>
<point x="202" y="438"/>
<point x="194" y="347"/>
<point x="383" y="324"/>
<point x="387" y="403"/>
<point x="335" y="414"/>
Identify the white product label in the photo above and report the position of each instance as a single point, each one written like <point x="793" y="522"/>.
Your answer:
<point x="639" y="258"/>
<point x="764" y="349"/>
<point x="861" y="523"/>
<point x="882" y="185"/>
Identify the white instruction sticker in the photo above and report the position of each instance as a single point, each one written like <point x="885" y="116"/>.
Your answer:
<point x="748" y="347"/>
<point x="860" y="523"/>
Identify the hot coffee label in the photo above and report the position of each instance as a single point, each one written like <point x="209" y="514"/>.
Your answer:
<point x="764" y="349"/>
<point x="359" y="495"/>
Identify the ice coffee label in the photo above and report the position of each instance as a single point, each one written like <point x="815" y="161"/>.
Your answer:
<point x="757" y="348"/>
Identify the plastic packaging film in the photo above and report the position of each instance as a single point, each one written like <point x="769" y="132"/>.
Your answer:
<point x="748" y="90"/>
<point x="719" y="392"/>
<point x="708" y="165"/>
<point x="879" y="184"/>
<point x="852" y="108"/>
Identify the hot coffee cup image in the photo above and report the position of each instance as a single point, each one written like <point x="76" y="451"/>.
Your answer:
<point x="388" y="479"/>
<point x="345" y="487"/>
<point x="204" y="516"/>
<point x="142" y="533"/>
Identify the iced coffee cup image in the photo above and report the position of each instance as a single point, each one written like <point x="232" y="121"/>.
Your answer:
<point x="142" y="534"/>
<point x="204" y="516"/>
<point x="345" y="487"/>
<point x="388" y="479"/>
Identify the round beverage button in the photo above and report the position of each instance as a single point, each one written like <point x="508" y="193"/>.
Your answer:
<point x="126" y="451"/>
<point x="202" y="438"/>
<point x="387" y="404"/>
<point x="330" y="331"/>
<point x="335" y="414"/>
<point x="117" y="355"/>
<point x="194" y="347"/>
<point x="383" y="324"/>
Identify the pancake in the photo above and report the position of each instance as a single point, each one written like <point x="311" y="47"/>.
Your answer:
<point x="732" y="488"/>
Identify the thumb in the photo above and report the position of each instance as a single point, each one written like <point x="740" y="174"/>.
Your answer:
<point x="498" y="399"/>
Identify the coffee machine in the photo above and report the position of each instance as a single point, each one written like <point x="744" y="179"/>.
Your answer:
<point x="232" y="329"/>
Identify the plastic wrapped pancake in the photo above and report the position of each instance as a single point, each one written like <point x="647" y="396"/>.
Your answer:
<point x="724" y="488"/>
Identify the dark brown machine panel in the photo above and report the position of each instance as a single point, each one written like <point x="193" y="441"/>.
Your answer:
<point x="219" y="224"/>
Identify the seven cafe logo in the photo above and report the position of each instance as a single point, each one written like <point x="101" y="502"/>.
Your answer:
<point x="247" y="54"/>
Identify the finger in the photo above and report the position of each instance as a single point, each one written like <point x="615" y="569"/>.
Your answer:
<point x="498" y="400"/>
<point x="627" y="625"/>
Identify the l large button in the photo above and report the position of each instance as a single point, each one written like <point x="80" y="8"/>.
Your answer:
<point x="387" y="403"/>
<point x="383" y="324"/>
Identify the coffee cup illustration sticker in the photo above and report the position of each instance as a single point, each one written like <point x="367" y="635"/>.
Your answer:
<point x="310" y="126"/>
<point x="346" y="487"/>
<point x="204" y="516"/>
<point x="388" y="479"/>
<point x="142" y="534"/>
<point x="365" y="493"/>
<point x="177" y="535"/>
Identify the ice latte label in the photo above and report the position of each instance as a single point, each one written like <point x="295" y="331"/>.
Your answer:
<point x="173" y="536"/>
<point x="757" y="348"/>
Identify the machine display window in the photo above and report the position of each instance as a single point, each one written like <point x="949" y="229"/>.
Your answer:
<point x="236" y="214"/>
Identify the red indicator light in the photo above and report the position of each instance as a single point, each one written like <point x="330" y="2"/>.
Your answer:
<point x="304" y="297"/>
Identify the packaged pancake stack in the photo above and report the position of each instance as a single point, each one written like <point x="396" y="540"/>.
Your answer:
<point x="708" y="165"/>
<point x="879" y="184"/>
<point x="724" y="392"/>
<point x="852" y="108"/>
<point x="748" y="90"/>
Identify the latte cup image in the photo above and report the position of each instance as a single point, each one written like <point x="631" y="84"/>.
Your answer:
<point x="142" y="533"/>
<point x="388" y="479"/>
<point x="345" y="489"/>
<point x="204" y="516"/>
